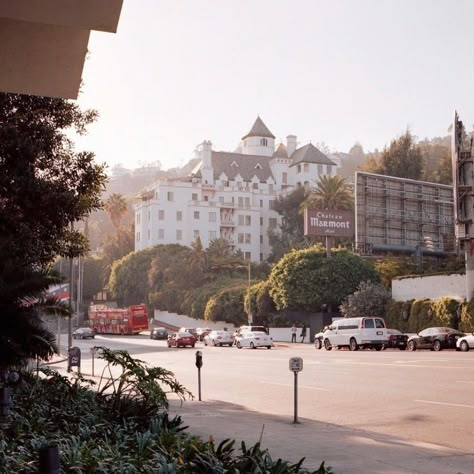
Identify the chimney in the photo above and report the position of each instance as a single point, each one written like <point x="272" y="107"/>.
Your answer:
<point x="291" y="144"/>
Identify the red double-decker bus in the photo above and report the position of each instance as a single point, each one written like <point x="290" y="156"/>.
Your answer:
<point x="131" y="320"/>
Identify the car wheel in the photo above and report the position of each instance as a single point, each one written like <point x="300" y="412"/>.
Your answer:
<point x="74" y="336"/>
<point x="402" y="348"/>
<point x="464" y="346"/>
<point x="193" y="346"/>
<point x="411" y="346"/>
<point x="437" y="346"/>
<point x="378" y="348"/>
<point x="353" y="345"/>
<point x="238" y="345"/>
<point x="327" y="345"/>
<point x="252" y="345"/>
<point x="318" y="344"/>
<point x="205" y="343"/>
<point x="213" y="343"/>
<point x="269" y="347"/>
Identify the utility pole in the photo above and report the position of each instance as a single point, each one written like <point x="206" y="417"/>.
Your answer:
<point x="71" y="299"/>
<point x="249" y="309"/>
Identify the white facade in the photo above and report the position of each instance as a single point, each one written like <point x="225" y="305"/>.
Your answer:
<point x="229" y="195"/>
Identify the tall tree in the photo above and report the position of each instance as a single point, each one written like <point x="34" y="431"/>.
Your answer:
<point x="116" y="208"/>
<point x="330" y="192"/>
<point x="290" y="233"/>
<point x="44" y="184"/>
<point x="402" y="158"/>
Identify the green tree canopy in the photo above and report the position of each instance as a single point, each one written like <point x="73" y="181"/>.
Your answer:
<point x="228" y="305"/>
<point x="330" y="192"/>
<point x="370" y="299"/>
<point x="116" y="208"/>
<point x="306" y="279"/>
<point x="44" y="184"/>
<point x="290" y="233"/>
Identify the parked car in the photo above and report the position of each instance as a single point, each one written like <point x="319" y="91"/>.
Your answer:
<point x="218" y="338"/>
<point x="181" y="339"/>
<point x="83" y="333"/>
<point x="193" y="331"/>
<point x="254" y="340"/>
<point x="201" y="333"/>
<point x="435" y="339"/>
<point x="243" y="329"/>
<point x="356" y="333"/>
<point x="318" y="338"/>
<point x="396" y="340"/>
<point x="159" y="333"/>
<point x="465" y="343"/>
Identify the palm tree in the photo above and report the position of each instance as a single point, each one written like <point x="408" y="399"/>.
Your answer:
<point x="116" y="208"/>
<point x="331" y="193"/>
<point x="23" y="304"/>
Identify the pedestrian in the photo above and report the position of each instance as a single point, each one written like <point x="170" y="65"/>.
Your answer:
<point x="303" y="332"/>
<point x="293" y="333"/>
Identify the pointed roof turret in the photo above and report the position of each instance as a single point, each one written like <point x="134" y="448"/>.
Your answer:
<point x="259" y="129"/>
<point x="281" y="151"/>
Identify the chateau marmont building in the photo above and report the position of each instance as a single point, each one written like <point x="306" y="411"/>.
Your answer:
<point x="229" y="195"/>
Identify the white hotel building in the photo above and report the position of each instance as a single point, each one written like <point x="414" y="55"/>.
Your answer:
<point x="229" y="195"/>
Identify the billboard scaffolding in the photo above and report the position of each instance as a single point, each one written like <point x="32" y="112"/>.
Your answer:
<point x="403" y="215"/>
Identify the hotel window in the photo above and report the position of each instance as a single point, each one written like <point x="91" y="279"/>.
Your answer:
<point x="221" y="198"/>
<point x="240" y="238"/>
<point x="241" y="220"/>
<point x="320" y="169"/>
<point x="272" y="223"/>
<point x="306" y="167"/>
<point x="179" y="215"/>
<point x="248" y="238"/>
<point x="298" y="169"/>
<point x="261" y="257"/>
<point x="196" y="233"/>
<point x="179" y="235"/>
<point x="261" y="202"/>
<point x="241" y="201"/>
<point x="261" y="220"/>
<point x="284" y="178"/>
<point x="248" y="256"/>
<point x="261" y="239"/>
<point x="148" y="234"/>
<point x="161" y="215"/>
<point x="138" y="236"/>
<point x="270" y="188"/>
<point x="170" y="196"/>
<point x="328" y="170"/>
<point x="194" y="197"/>
<point x="271" y="204"/>
<point x="196" y="215"/>
<point x="248" y="220"/>
<point x="247" y="202"/>
<point x="212" y="217"/>
<point x="306" y="184"/>
<point x="161" y="234"/>
<point x="149" y="216"/>
<point x="263" y="142"/>
<point x="255" y="185"/>
<point x="212" y="235"/>
<point x="138" y="218"/>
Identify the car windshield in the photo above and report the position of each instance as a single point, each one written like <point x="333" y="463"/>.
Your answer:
<point x="259" y="333"/>
<point x="184" y="334"/>
<point x="393" y="331"/>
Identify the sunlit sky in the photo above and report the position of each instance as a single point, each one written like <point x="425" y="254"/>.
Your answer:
<point x="338" y="71"/>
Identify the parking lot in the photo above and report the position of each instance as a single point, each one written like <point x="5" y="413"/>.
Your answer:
<point x="423" y="396"/>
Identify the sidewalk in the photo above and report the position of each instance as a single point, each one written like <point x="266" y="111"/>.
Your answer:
<point x="347" y="451"/>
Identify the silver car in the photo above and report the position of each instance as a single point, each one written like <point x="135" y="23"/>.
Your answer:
<point x="83" y="333"/>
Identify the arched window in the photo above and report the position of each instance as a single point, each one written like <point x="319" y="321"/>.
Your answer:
<point x="263" y="142"/>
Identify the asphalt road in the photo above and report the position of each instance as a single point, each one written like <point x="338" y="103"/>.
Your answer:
<point x="423" y="396"/>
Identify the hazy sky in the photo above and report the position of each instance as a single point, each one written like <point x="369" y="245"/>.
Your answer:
<point x="338" y="71"/>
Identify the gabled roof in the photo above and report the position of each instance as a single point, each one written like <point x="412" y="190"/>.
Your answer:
<point x="259" y="129"/>
<point x="310" y="154"/>
<point x="281" y="151"/>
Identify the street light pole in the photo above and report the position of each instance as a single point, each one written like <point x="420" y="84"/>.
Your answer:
<point x="71" y="290"/>
<point x="249" y="309"/>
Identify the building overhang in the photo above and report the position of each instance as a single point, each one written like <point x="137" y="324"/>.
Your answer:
<point x="43" y="43"/>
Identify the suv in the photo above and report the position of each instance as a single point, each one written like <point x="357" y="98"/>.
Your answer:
<point x="356" y="333"/>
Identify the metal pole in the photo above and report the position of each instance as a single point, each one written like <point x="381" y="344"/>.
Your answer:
<point x="199" y="382"/>
<point x="249" y="310"/>
<point x="295" y="420"/>
<point x="328" y="246"/>
<point x="71" y="290"/>
<point x="59" y="335"/>
<point x="93" y="353"/>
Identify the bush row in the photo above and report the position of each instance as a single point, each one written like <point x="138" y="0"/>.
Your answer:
<point x="416" y="315"/>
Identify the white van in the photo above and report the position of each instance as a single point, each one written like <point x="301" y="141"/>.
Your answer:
<point x="356" y="333"/>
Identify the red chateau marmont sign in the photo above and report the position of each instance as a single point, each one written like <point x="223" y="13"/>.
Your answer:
<point x="318" y="222"/>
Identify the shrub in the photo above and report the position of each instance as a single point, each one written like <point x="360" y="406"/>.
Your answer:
<point x="227" y="305"/>
<point x="467" y="317"/>
<point x="370" y="299"/>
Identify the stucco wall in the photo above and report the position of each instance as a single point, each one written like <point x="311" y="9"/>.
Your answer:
<point x="182" y="321"/>
<point x="284" y="334"/>
<point x="432" y="287"/>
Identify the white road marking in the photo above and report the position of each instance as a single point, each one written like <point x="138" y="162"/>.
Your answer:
<point x="405" y="365"/>
<point x="446" y="404"/>
<point x="464" y="381"/>
<point x="299" y="386"/>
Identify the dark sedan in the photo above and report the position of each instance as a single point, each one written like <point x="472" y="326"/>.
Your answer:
<point x="158" y="333"/>
<point x="435" y="339"/>
<point x="396" y="340"/>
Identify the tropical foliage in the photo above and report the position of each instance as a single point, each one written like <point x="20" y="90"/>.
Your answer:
<point x="330" y="192"/>
<point x="306" y="279"/>
<point x="370" y="299"/>
<point x="116" y="208"/>
<point x="23" y="305"/>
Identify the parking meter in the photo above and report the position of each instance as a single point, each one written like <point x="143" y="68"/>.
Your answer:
<point x="198" y="359"/>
